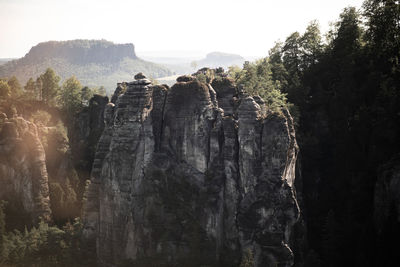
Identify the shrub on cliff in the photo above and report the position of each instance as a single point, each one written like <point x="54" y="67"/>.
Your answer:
<point x="43" y="245"/>
<point x="256" y="79"/>
<point x="70" y="97"/>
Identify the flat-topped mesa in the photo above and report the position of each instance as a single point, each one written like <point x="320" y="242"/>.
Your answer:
<point x="196" y="174"/>
<point x="82" y="51"/>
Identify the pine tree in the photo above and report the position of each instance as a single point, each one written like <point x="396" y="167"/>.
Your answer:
<point x="70" y="98"/>
<point x="30" y="88"/>
<point x="15" y="87"/>
<point x="5" y="91"/>
<point x="50" y="85"/>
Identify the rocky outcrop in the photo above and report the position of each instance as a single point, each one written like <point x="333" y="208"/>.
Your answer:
<point x="87" y="127"/>
<point x="192" y="175"/>
<point x="23" y="174"/>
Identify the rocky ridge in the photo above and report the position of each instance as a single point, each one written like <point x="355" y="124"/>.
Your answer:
<point x="193" y="175"/>
<point x="23" y="173"/>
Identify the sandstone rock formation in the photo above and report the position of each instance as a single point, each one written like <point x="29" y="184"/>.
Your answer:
<point x="23" y="174"/>
<point x="192" y="175"/>
<point x="87" y="127"/>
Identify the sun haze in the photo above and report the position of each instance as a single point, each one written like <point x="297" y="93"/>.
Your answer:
<point x="248" y="28"/>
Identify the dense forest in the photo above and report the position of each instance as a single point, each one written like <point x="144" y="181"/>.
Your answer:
<point x="52" y="107"/>
<point x="344" y="93"/>
<point x="342" y="88"/>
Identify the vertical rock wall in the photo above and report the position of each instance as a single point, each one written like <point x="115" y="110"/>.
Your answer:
<point x="192" y="175"/>
<point x="23" y="174"/>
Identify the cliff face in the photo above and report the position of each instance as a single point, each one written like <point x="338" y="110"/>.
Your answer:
<point x="23" y="174"/>
<point x="94" y="62"/>
<point x="193" y="175"/>
<point x="82" y="51"/>
<point x="84" y="134"/>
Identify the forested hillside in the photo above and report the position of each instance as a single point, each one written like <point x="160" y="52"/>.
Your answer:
<point x="344" y="92"/>
<point x="94" y="62"/>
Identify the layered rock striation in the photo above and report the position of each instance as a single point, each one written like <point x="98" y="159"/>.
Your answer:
<point x="192" y="175"/>
<point x="82" y="51"/>
<point x="85" y="132"/>
<point x="23" y="174"/>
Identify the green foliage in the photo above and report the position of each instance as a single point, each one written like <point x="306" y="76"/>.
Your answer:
<point x="30" y="89"/>
<point x="30" y="85"/>
<point x="205" y="75"/>
<point x="311" y="45"/>
<point x="92" y="74"/>
<point x="39" y="88"/>
<point x="49" y="83"/>
<point x="15" y="87"/>
<point x="63" y="199"/>
<point x="70" y="96"/>
<point x="383" y="28"/>
<point x="100" y="91"/>
<point x="292" y="53"/>
<point x="86" y="95"/>
<point x="202" y="78"/>
<point x="45" y="245"/>
<point x="256" y="79"/>
<point x="247" y="259"/>
<point x="41" y="118"/>
<point x="347" y="33"/>
<point x="5" y="90"/>
<point x="347" y="92"/>
<point x="234" y="72"/>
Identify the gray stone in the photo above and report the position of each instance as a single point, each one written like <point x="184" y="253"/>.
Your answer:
<point x="23" y="174"/>
<point x="185" y="78"/>
<point x="189" y="175"/>
<point x="139" y="76"/>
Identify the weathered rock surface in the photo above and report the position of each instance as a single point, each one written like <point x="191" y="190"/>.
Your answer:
<point x="192" y="176"/>
<point x="86" y="131"/>
<point x="23" y="174"/>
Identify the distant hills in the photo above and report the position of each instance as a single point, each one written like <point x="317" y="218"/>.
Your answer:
<point x="5" y="60"/>
<point x="185" y="65"/>
<point x="93" y="62"/>
<point x="219" y="59"/>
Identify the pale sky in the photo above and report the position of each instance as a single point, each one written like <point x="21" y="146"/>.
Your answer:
<point x="245" y="27"/>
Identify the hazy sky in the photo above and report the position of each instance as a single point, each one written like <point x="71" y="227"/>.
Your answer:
<point x="245" y="27"/>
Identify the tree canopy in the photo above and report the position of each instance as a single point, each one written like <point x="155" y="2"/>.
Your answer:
<point x="49" y="84"/>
